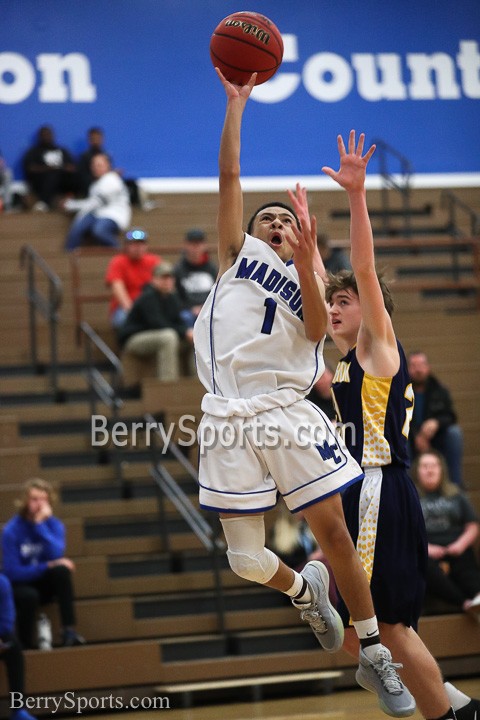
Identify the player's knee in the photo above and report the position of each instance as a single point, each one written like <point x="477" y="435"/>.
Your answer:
<point x="247" y="554"/>
<point x="259" y="568"/>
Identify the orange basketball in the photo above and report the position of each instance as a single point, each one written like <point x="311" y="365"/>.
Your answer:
<point x="244" y="43"/>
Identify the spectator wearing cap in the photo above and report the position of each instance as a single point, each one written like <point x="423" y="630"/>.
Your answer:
<point x="127" y="274"/>
<point x="104" y="213"/>
<point x="154" y="324"/>
<point x="195" y="275"/>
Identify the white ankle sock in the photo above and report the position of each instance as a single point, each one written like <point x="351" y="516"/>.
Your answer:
<point x="295" y="591"/>
<point x="457" y="698"/>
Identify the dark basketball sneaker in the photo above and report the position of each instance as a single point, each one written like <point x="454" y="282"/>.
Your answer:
<point x="470" y="711"/>
<point x="71" y="639"/>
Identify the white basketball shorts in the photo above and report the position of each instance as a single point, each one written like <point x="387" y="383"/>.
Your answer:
<point x="245" y="461"/>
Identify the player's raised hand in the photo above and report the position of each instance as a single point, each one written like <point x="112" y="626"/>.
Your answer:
<point x="233" y="90"/>
<point x="353" y="164"/>
<point x="304" y="245"/>
<point x="300" y="205"/>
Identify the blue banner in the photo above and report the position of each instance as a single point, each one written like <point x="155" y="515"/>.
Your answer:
<point x="405" y="72"/>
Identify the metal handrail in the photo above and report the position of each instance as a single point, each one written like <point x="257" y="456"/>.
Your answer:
<point x="454" y="204"/>
<point x="48" y="306"/>
<point x="169" y="488"/>
<point x="385" y="151"/>
<point x="107" y="392"/>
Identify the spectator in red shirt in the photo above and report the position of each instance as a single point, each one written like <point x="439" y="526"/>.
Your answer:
<point x="128" y="273"/>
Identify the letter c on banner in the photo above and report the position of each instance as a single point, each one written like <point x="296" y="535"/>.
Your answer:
<point x="283" y="84"/>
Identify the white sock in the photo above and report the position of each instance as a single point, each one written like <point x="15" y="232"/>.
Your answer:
<point x="457" y="698"/>
<point x="366" y="628"/>
<point x="299" y="590"/>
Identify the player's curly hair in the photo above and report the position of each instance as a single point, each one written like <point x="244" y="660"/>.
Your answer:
<point x="273" y="203"/>
<point x="346" y="280"/>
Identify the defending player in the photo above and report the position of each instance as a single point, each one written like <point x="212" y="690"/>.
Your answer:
<point x="372" y="392"/>
<point x="259" y="340"/>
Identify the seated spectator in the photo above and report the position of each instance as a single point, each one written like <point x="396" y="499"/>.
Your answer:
<point x="154" y="325"/>
<point x="10" y="649"/>
<point x="104" y="213"/>
<point x="6" y="177"/>
<point x="95" y="143"/>
<point x="434" y="422"/>
<point x="334" y="258"/>
<point x="34" y="561"/>
<point x="50" y="170"/>
<point x="128" y="273"/>
<point x="195" y="275"/>
<point x="452" y="531"/>
<point x="321" y="395"/>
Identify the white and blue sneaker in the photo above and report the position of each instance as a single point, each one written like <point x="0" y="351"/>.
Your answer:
<point x="320" y="614"/>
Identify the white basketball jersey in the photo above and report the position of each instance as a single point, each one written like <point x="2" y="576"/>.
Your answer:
<point x="249" y="336"/>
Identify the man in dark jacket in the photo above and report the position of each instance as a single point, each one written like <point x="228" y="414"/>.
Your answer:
<point x="154" y="324"/>
<point x="195" y="274"/>
<point x="50" y="170"/>
<point x="434" y="421"/>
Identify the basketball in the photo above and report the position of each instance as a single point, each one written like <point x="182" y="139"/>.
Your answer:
<point x="244" y="43"/>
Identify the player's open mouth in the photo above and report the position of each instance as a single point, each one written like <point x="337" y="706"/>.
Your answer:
<point x="276" y="240"/>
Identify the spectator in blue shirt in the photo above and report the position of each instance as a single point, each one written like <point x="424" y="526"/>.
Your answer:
<point x="33" y="544"/>
<point x="10" y="649"/>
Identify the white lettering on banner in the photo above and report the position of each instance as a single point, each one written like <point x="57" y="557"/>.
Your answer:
<point x="329" y="77"/>
<point x="17" y="78"/>
<point x="326" y="76"/>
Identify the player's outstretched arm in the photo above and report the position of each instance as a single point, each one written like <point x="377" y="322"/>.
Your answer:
<point x="351" y="176"/>
<point x="304" y="245"/>
<point x="300" y="205"/>
<point x="230" y="210"/>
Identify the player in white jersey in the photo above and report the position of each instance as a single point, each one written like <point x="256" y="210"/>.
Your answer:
<point x="258" y="341"/>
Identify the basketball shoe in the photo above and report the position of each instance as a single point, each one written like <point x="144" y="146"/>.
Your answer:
<point x="320" y="614"/>
<point x="380" y="677"/>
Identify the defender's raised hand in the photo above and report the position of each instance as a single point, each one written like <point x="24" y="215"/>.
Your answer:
<point x="353" y="164"/>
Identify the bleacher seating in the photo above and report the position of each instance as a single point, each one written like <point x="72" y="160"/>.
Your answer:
<point x="150" y="615"/>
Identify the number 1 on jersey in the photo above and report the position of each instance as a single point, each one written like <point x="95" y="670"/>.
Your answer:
<point x="271" y="307"/>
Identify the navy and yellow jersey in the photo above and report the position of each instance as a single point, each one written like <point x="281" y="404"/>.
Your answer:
<point x="375" y="412"/>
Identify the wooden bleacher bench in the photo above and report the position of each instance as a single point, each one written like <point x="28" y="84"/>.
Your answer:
<point x="426" y="284"/>
<point x="91" y="290"/>
<point x="96" y="293"/>
<point x="255" y="684"/>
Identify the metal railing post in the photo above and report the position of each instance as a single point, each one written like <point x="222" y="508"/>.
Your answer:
<point x="168" y="486"/>
<point x="46" y="305"/>
<point x="101" y="389"/>
<point x="386" y="151"/>
<point x="454" y="207"/>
